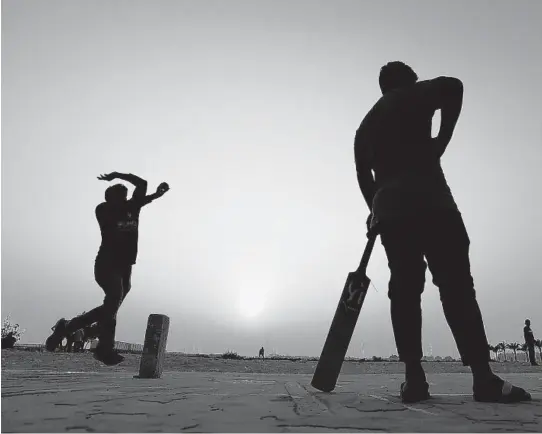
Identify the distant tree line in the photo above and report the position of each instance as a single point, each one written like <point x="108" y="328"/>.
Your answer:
<point x="514" y="347"/>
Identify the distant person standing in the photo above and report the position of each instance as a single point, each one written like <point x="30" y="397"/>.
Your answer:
<point x="8" y="341"/>
<point x="530" y="341"/>
<point x="261" y="354"/>
<point x="69" y="343"/>
<point x="118" y="218"/>
<point x="78" y="341"/>
<point x="415" y="213"/>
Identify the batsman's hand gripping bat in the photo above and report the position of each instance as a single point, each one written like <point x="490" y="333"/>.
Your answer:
<point x="343" y="324"/>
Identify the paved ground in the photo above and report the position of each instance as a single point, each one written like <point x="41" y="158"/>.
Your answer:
<point x="52" y="401"/>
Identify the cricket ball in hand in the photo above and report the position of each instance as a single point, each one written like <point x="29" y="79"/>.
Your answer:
<point x="163" y="186"/>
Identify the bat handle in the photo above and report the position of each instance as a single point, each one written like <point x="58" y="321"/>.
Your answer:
<point x="367" y="254"/>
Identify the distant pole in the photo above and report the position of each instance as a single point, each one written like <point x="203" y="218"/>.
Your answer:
<point x="154" y="349"/>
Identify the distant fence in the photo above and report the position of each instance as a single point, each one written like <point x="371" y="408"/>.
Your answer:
<point x="30" y="347"/>
<point x="124" y="347"/>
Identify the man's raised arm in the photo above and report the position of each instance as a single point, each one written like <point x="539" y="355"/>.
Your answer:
<point x="139" y="183"/>
<point x="160" y="191"/>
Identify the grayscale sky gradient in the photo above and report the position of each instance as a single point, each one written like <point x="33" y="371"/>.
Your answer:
<point x="248" y="109"/>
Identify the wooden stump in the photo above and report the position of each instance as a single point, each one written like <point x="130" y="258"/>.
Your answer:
<point x="154" y="349"/>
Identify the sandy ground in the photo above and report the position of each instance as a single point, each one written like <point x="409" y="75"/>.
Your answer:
<point x="63" y="362"/>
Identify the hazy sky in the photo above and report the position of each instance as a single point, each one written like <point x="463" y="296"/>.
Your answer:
<point x="248" y="109"/>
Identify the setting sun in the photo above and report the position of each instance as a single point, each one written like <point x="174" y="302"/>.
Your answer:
<point x="251" y="304"/>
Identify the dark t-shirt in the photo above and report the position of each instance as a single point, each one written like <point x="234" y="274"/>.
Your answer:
<point x="119" y="227"/>
<point x="529" y="336"/>
<point x="393" y="140"/>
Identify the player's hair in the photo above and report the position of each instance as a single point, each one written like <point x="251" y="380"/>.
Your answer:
<point x="396" y="74"/>
<point x="115" y="191"/>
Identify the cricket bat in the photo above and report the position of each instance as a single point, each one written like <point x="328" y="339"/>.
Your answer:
<point x="343" y="324"/>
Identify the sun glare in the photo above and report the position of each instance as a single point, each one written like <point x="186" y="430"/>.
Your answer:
<point x="251" y="305"/>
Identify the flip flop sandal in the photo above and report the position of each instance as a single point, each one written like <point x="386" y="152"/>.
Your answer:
<point x="507" y="394"/>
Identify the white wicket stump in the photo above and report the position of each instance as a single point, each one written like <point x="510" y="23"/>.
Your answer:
<point x="154" y="348"/>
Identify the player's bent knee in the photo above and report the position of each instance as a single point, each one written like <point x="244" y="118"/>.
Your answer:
<point x="459" y="297"/>
<point x="406" y="286"/>
<point x="456" y="288"/>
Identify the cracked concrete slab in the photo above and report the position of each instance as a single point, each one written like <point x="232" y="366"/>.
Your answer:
<point x="54" y="401"/>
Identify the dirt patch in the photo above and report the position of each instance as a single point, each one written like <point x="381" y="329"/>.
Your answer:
<point x="17" y="359"/>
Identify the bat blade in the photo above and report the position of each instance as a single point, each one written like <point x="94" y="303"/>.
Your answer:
<point x="340" y="333"/>
<point x="343" y="325"/>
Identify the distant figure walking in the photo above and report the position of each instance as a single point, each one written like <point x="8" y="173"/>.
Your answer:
<point x="414" y="211"/>
<point x="78" y="341"/>
<point x="8" y="341"/>
<point x="530" y="341"/>
<point x="69" y="343"/>
<point x="118" y="218"/>
<point x="261" y="354"/>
